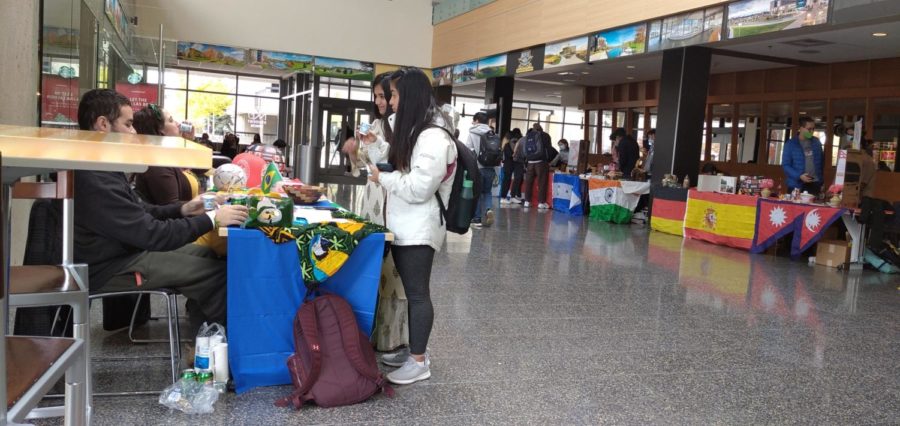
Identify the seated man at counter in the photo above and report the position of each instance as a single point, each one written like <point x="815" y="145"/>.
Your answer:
<point x="128" y="244"/>
<point x="802" y="159"/>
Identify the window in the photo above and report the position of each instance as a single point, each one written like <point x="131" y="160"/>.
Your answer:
<point x="778" y="125"/>
<point x="748" y="132"/>
<point x="212" y="82"/>
<point x="722" y="125"/>
<point x="265" y="87"/>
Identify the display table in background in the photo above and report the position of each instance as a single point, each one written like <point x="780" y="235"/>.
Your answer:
<point x="568" y="194"/>
<point x="667" y="209"/>
<point x="615" y="200"/>
<point x="265" y="290"/>
<point x="808" y="222"/>
<point x="724" y="219"/>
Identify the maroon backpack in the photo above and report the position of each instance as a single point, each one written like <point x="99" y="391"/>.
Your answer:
<point x="333" y="363"/>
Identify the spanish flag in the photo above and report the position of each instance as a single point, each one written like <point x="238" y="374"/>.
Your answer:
<point x="724" y="219"/>
<point x="667" y="210"/>
<point x="271" y="176"/>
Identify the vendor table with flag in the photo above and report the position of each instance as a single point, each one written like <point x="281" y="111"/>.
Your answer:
<point x="776" y="219"/>
<point x="667" y="209"/>
<point x="724" y="219"/>
<point x="568" y="194"/>
<point x="615" y="200"/>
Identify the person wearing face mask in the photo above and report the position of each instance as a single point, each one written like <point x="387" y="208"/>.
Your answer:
<point x="801" y="159"/>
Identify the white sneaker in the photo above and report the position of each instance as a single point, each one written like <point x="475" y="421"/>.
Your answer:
<point x="412" y="371"/>
<point x="395" y="359"/>
<point x="504" y="201"/>
<point x="543" y="206"/>
<point x="527" y="204"/>
<point x="515" y="200"/>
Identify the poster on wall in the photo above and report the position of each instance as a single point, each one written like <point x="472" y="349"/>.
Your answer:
<point x="442" y="76"/>
<point x="117" y="17"/>
<point x="566" y="52"/>
<point x="465" y="72"/>
<point x="59" y="100"/>
<point x="63" y="38"/>
<point x="526" y="60"/>
<point x="343" y="68"/>
<point x="281" y="61"/>
<point x="624" y="41"/>
<point x="697" y="27"/>
<point x="140" y="94"/>
<point x="492" y="66"/>
<point x="752" y="17"/>
<point x="200" y="52"/>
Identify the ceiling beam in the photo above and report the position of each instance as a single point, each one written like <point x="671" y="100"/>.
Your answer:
<point x="766" y="58"/>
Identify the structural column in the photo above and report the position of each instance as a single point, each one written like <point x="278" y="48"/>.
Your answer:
<point x="499" y="92"/>
<point x="682" y="111"/>
<point x="19" y="26"/>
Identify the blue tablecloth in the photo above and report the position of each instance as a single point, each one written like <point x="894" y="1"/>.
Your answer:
<point x="264" y="291"/>
<point x="568" y="194"/>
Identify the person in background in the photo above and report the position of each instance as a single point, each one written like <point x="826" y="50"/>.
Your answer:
<point x="280" y="144"/>
<point x="204" y="140"/>
<point x="709" y="169"/>
<point x="513" y="169"/>
<point x="537" y="166"/>
<point x="118" y="236"/>
<point x="230" y="145"/>
<point x="627" y="151"/>
<point x="256" y="139"/>
<point x="802" y="161"/>
<point x="423" y="156"/>
<point x="648" y="150"/>
<point x="485" y="201"/>
<point x="562" y="156"/>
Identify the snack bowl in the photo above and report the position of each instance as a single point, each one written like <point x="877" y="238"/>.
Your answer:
<point x="304" y="194"/>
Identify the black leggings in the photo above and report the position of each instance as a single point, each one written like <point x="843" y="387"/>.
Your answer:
<point x="414" y="265"/>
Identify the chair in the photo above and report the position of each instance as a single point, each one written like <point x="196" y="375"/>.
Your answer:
<point x="35" y="364"/>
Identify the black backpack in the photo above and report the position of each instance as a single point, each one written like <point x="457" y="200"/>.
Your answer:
<point x="458" y="213"/>
<point x="489" y="151"/>
<point x="534" y="147"/>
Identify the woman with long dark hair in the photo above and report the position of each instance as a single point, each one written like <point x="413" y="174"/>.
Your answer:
<point x="161" y="185"/>
<point x="423" y="156"/>
<point x="374" y="148"/>
<point x="509" y="192"/>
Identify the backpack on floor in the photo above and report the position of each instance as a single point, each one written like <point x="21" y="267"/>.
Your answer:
<point x="489" y="150"/>
<point x="458" y="213"/>
<point x="534" y="147"/>
<point x="333" y="363"/>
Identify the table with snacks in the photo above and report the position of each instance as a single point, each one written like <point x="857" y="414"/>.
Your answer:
<point x="266" y="287"/>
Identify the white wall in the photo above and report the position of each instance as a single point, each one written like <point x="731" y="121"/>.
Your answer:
<point x="382" y="31"/>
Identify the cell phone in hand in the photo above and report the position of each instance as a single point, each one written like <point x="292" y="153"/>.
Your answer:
<point x="385" y="167"/>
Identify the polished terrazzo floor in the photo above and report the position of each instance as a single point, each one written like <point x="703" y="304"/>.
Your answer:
<point x="552" y="319"/>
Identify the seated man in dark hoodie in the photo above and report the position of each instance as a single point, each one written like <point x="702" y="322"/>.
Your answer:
<point x="117" y="235"/>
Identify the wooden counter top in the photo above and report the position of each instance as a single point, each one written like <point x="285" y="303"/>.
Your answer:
<point x="43" y="148"/>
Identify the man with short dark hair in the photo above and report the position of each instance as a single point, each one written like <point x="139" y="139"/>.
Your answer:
<point x="537" y="164"/>
<point x="478" y="130"/>
<point x="628" y="151"/>
<point x="802" y="161"/>
<point x="129" y="244"/>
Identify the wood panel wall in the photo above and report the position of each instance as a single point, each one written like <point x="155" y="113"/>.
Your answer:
<point x="507" y="25"/>
<point x="878" y="78"/>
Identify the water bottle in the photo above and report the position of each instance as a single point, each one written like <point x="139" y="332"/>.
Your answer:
<point x="466" y="203"/>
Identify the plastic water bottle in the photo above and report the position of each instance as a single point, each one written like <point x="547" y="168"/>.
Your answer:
<point x="467" y="202"/>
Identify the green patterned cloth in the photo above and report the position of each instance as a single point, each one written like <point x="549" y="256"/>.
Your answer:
<point x="324" y="247"/>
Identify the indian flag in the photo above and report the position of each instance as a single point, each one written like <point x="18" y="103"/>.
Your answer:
<point x="609" y="202"/>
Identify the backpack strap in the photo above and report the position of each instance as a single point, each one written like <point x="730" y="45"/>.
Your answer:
<point x="437" y="194"/>
<point x="354" y="353"/>
<point x="308" y="322"/>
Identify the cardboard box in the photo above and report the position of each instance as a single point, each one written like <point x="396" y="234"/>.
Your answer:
<point x="707" y="183"/>
<point x="833" y="253"/>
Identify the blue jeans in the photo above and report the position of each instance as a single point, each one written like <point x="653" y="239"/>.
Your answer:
<point x="484" y="201"/>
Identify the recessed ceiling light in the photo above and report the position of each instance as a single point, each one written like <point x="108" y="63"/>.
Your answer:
<point x="802" y="112"/>
<point x="566" y="73"/>
<point x="629" y="78"/>
<point x="631" y="67"/>
<point x="879" y="34"/>
<point x="585" y="72"/>
<point x="569" y="80"/>
<point x="726" y="105"/>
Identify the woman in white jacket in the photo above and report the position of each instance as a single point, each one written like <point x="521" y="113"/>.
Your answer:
<point x="424" y="158"/>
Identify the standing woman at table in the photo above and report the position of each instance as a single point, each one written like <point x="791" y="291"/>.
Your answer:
<point x="423" y="156"/>
<point x="374" y="148"/>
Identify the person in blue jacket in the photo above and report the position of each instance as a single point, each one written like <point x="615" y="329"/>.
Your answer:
<point x="802" y="159"/>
